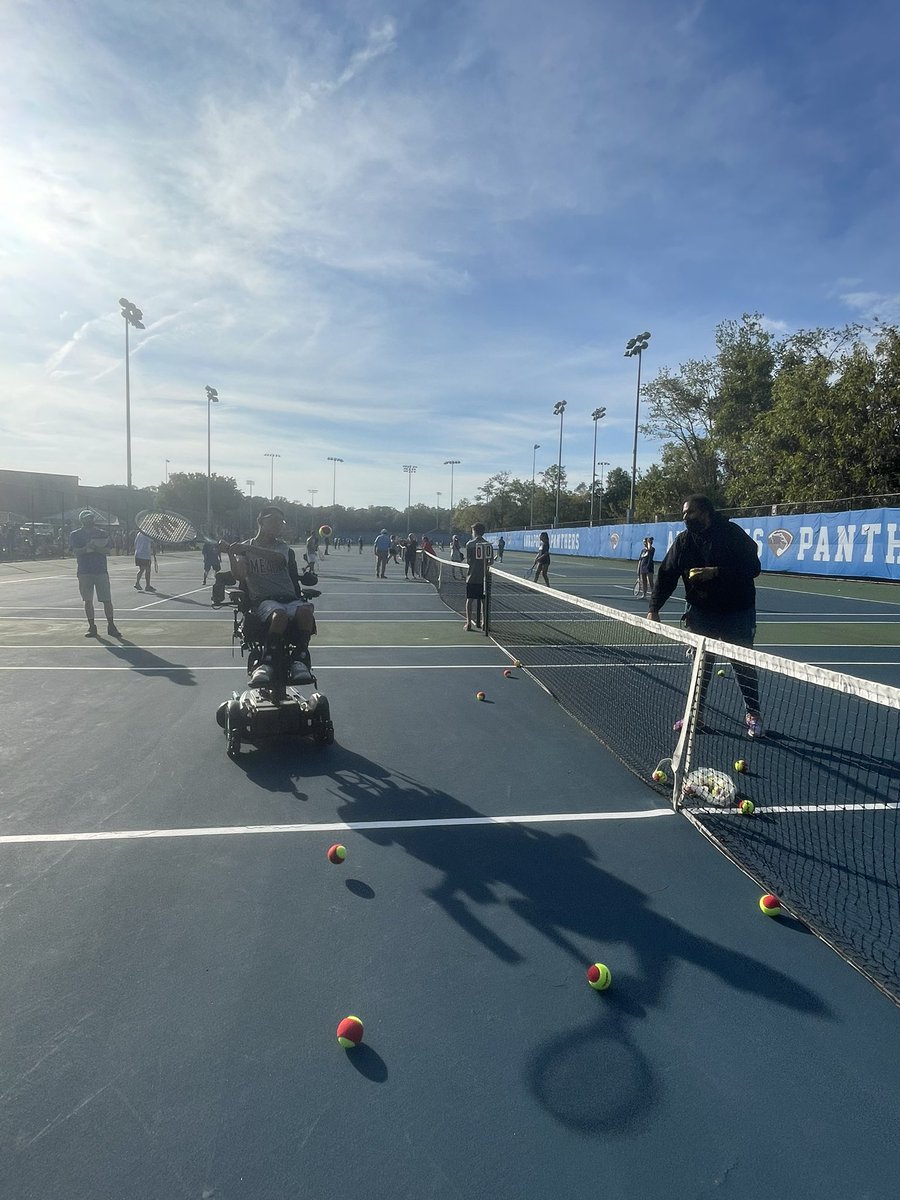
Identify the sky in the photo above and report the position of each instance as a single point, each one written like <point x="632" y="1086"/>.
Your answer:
<point x="398" y="233"/>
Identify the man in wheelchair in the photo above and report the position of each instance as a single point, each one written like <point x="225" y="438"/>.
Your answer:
<point x="266" y="568"/>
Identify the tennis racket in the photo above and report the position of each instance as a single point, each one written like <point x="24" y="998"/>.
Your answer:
<point x="715" y="787"/>
<point x="637" y="590"/>
<point x="169" y="528"/>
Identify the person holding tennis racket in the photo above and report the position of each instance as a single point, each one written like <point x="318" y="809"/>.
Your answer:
<point x="268" y="567"/>
<point x="644" y="584"/>
<point x="90" y="547"/>
<point x="541" y="563"/>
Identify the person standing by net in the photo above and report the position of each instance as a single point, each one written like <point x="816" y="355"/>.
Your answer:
<point x="718" y="563"/>
<point x="479" y="556"/>
<point x="541" y="563"/>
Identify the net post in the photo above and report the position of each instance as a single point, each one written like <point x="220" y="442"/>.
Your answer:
<point x="486" y="615"/>
<point x="681" y="754"/>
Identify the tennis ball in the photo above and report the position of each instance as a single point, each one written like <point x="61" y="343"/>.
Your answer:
<point x="598" y="976"/>
<point x="350" y="1032"/>
<point x="480" y="696"/>
<point x="659" y="776"/>
<point x="740" y="765"/>
<point x="517" y="663"/>
<point x="721" y="672"/>
<point x="747" y="807"/>
<point x="507" y="673"/>
<point x="770" y="905"/>
<point x="337" y="853"/>
<point x="324" y="531"/>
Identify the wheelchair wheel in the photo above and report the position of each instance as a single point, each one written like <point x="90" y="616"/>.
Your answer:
<point x="324" y="735"/>
<point x="233" y="729"/>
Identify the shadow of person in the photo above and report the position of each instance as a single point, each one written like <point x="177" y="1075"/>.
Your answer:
<point x="144" y="662"/>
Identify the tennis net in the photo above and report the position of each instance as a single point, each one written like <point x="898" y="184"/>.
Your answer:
<point x="824" y="780"/>
<point x="448" y="578"/>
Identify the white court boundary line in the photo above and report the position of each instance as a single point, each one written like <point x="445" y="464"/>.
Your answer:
<point x="125" y="835"/>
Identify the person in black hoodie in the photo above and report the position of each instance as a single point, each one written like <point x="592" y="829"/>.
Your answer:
<point x="717" y="562"/>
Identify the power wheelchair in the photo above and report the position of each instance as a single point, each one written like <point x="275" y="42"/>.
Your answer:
<point x="275" y="707"/>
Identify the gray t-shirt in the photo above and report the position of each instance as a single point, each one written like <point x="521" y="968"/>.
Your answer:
<point x="268" y="578"/>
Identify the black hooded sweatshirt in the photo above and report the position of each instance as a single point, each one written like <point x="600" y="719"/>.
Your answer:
<point x="723" y="545"/>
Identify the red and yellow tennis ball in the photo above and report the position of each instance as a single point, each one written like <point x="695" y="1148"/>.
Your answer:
<point x="350" y="1032"/>
<point x="747" y="807"/>
<point x="659" y="776"/>
<point x="741" y="766"/>
<point x="598" y="976"/>
<point x="480" y="696"/>
<point x="507" y="673"/>
<point x="770" y="905"/>
<point x="337" y="853"/>
<point x="325" y="531"/>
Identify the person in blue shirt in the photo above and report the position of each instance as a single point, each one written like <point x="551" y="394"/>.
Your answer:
<point x="212" y="559"/>
<point x="382" y="549"/>
<point x="91" y="546"/>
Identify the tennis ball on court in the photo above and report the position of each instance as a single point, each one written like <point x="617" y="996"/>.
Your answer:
<point x="747" y="807"/>
<point x="770" y="905"/>
<point x="507" y="673"/>
<point x="517" y="663"/>
<point x="659" y="776"/>
<point x="337" y="853"/>
<point x="350" y="1032"/>
<point x="721" y="672"/>
<point x="740" y="765"/>
<point x="598" y="976"/>
<point x="480" y="696"/>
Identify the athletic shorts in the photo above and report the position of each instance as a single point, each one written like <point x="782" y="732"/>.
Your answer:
<point x="474" y="589"/>
<point x="143" y="563"/>
<point x="267" y="607"/>
<point x="88" y="584"/>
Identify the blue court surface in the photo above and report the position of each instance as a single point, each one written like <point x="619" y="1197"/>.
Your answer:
<point x="177" y="949"/>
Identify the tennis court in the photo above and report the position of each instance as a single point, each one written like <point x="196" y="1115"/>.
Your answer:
<point x="178" y="950"/>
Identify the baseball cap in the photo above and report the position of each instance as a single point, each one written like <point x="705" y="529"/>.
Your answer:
<point x="85" y="513"/>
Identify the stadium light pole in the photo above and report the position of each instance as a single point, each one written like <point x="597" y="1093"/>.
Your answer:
<point x="635" y="346"/>
<point x="312" y="508"/>
<point x="212" y="397"/>
<point x="250" y="483"/>
<point x="410" y="471"/>
<point x="335" y="462"/>
<point x="167" y="470"/>
<point x="534" y="451"/>
<point x="268" y="454"/>
<point x="596" y="416"/>
<point x="601" y="465"/>
<point x="559" y="410"/>
<point x="451" y="463"/>
<point x="437" y="513"/>
<point x="134" y="318"/>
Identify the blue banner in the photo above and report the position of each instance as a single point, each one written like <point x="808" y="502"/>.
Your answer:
<point x="863" y="544"/>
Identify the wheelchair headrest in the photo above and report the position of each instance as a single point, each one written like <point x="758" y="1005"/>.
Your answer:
<point x="309" y="579"/>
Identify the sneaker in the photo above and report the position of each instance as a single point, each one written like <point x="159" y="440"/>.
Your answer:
<point x="754" y="726"/>
<point x="300" y="673"/>
<point x="261" y="677"/>
<point x="92" y="631"/>
<point x="112" y="631"/>
<point x="148" y="588"/>
<point x="138" y="588"/>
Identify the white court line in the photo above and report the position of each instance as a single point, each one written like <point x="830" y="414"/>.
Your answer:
<point x="163" y="599"/>
<point x="125" y="835"/>
<point x="798" y="808"/>
<point x="138" y="669"/>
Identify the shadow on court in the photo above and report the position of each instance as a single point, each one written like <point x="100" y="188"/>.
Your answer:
<point x="593" y="1078"/>
<point x="145" y="662"/>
